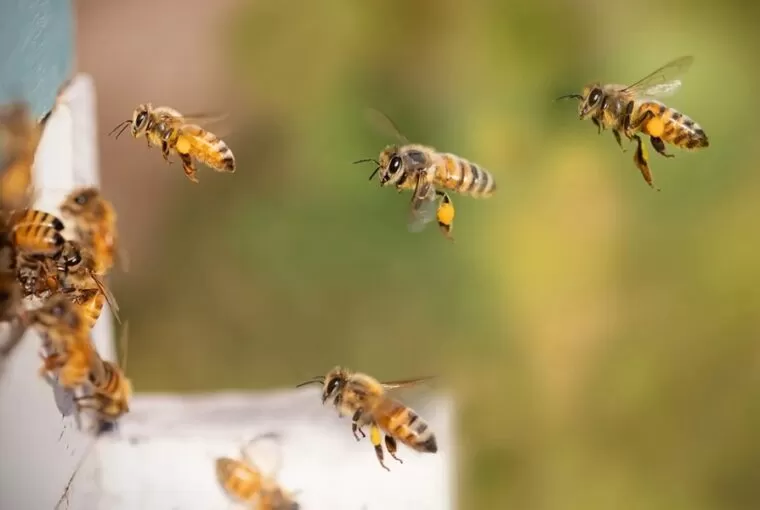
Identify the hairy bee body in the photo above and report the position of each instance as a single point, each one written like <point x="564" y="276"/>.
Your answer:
<point x="23" y="134"/>
<point x="365" y="399"/>
<point x="37" y="238"/>
<point x="94" y="220"/>
<point x="167" y="128"/>
<point x="69" y="351"/>
<point x="111" y="391"/>
<point x="669" y="125"/>
<point x="450" y="172"/>
<point x="245" y="484"/>
<point x="633" y="110"/>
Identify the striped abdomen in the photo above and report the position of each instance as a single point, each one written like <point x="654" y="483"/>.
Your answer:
<point x="672" y="126"/>
<point x="404" y="424"/>
<point x="458" y="174"/>
<point x="36" y="217"/>
<point x="38" y="239"/>
<point x="206" y="147"/>
<point x="237" y="479"/>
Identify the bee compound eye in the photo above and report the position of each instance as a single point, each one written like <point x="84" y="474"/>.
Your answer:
<point x="81" y="199"/>
<point x="395" y="164"/>
<point x="140" y="119"/>
<point x="594" y="96"/>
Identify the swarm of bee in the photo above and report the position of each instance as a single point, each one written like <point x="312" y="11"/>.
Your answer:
<point x="52" y="282"/>
<point x="53" y="269"/>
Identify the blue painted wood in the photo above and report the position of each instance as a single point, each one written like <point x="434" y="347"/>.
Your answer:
<point x="36" y="50"/>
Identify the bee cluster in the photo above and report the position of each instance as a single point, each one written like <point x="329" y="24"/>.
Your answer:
<point x="53" y="269"/>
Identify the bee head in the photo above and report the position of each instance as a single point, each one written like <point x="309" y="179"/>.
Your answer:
<point x="79" y="201"/>
<point x="391" y="166"/>
<point x="58" y="311"/>
<point x="591" y="100"/>
<point x="71" y="258"/>
<point x="140" y="119"/>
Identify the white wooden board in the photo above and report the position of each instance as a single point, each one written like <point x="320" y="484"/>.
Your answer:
<point x="162" y="455"/>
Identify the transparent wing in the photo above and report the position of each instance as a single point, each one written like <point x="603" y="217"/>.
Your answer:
<point x="405" y="383"/>
<point x="663" y="81"/>
<point x="264" y="452"/>
<point x="206" y="118"/>
<point x="384" y="124"/>
<point x="109" y="296"/>
<point x="424" y="205"/>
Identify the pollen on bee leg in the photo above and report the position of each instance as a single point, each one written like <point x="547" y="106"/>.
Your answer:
<point x="655" y="127"/>
<point x="182" y="145"/>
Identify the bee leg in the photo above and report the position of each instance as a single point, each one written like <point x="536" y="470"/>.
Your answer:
<point x="165" y="152"/>
<point x="390" y="445"/>
<point x="627" y="120"/>
<point x="618" y="139"/>
<point x="642" y="162"/>
<point x="597" y="124"/>
<point x="374" y="436"/>
<point x="445" y="215"/>
<point x="188" y="167"/>
<point x="355" y="424"/>
<point x="659" y="146"/>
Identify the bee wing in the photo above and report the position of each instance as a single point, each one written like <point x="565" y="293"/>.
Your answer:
<point x="384" y="124"/>
<point x="205" y="118"/>
<point x="424" y="206"/>
<point x="264" y="452"/>
<point x="109" y="296"/>
<point x="404" y="383"/>
<point x="663" y="81"/>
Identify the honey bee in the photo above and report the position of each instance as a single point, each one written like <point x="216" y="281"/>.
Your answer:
<point x="633" y="109"/>
<point x="21" y="136"/>
<point x="366" y="400"/>
<point x="427" y="173"/>
<point x="110" y="389"/>
<point x="94" y="220"/>
<point x="80" y="277"/>
<point x="244" y="482"/>
<point x="169" y="129"/>
<point x="69" y="351"/>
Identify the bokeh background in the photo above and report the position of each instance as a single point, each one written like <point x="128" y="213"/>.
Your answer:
<point x="601" y="338"/>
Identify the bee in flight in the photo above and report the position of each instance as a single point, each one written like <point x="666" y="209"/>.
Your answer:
<point x="633" y="109"/>
<point x="245" y="482"/>
<point x="429" y="174"/>
<point x="167" y="128"/>
<point x="366" y="400"/>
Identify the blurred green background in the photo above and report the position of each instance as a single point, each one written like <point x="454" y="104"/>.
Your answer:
<point x="601" y="338"/>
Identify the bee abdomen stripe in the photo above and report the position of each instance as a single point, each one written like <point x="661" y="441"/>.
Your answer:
<point x="476" y="177"/>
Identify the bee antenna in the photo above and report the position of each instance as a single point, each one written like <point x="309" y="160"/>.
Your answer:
<point x="373" y="173"/>
<point x="123" y="126"/>
<point x="316" y="380"/>
<point x="369" y="160"/>
<point x="570" y="96"/>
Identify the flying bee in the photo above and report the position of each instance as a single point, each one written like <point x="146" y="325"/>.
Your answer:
<point x="94" y="220"/>
<point x="633" y="109"/>
<point x="69" y="351"/>
<point x="173" y="132"/>
<point x="80" y="276"/>
<point x="244" y="482"/>
<point x="21" y="136"/>
<point x="428" y="173"/>
<point x="110" y="389"/>
<point x="366" y="400"/>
